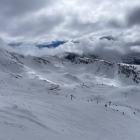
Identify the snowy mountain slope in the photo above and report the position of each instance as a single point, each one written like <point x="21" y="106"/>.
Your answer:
<point x="127" y="74"/>
<point x="9" y="63"/>
<point x="35" y="99"/>
<point x="132" y="58"/>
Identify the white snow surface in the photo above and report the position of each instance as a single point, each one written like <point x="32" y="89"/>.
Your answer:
<point x="35" y="99"/>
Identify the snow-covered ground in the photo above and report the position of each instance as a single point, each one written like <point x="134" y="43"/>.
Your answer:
<point x="35" y="99"/>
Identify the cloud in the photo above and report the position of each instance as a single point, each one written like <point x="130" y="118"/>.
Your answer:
<point x="33" y="21"/>
<point x="135" y="49"/>
<point x="35" y="27"/>
<point x="2" y="43"/>
<point x="95" y="46"/>
<point x="109" y="50"/>
<point x="133" y="17"/>
<point x="14" y="8"/>
<point x="45" y="20"/>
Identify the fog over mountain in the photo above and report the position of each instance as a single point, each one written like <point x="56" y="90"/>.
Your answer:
<point x="109" y="48"/>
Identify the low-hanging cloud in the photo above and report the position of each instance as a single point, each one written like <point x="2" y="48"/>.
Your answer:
<point x="103" y="48"/>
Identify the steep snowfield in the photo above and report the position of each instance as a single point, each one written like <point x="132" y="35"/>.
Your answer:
<point x="35" y="99"/>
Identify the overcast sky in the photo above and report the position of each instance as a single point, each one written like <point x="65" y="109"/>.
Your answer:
<point x="39" y="21"/>
<point x="50" y="20"/>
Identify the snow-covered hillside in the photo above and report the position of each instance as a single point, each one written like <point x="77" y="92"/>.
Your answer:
<point x="59" y="98"/>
